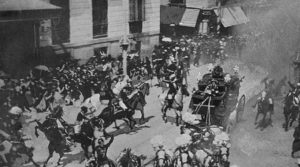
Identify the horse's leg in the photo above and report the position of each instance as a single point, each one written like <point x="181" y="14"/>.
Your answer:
<point x="264" y="119"/>
<point x="164" y="112"/>
<point x="131" y="122"/>
<point x="61" y="154"/>
<point x="36" y="131"/>
<point x="256" y="117"/>
<point x="292" y="118"/>
<point x="177" y="120"/>
<point x="50" y="150"/>
<point x="143" y="114"/>
<point x="286" y="126"/>
<point x="116" y="126"/>
<point x="85" y="150"/>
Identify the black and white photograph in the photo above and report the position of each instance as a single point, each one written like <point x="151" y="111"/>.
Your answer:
<point x="149" y="83"/>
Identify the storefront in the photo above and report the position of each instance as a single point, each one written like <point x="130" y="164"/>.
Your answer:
<point x="231" y="16"/>
<point x="19" y="33"/>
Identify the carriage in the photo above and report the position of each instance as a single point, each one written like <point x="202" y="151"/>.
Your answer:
<point x="217" y="100"/>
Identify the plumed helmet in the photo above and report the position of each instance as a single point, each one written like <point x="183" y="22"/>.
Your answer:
<point x="210" y="67"/>
<point x="236" y="68"/>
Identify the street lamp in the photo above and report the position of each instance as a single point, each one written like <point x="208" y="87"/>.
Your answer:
<point x="124" y="43"/>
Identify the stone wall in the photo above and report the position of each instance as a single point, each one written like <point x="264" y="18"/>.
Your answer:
<point x="82" y="44"/>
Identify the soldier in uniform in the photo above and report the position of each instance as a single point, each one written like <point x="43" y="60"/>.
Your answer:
<point x="173" y="89"/>
<point x="100" y="150"/>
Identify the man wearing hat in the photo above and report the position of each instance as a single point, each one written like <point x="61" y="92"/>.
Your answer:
<point x="100" y="147"/>
<point x="172" y="91"/>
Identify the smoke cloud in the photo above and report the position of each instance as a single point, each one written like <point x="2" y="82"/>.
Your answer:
<point x="273" y="35"/>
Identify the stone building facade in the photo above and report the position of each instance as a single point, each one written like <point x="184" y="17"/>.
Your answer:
<point x="89" y="26"/>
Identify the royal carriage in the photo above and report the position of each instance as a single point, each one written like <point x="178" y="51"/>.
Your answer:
<point x="217" y="100"/>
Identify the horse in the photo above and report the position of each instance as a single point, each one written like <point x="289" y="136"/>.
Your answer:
<point x="162" y="159"/>
<point x="57" y="141"/>
<point x="177" y="103"/>
<point x="109" y="114"/>
<point x="86" y="136"/>
<point x="183" y="159"/>
<point x="206" y="158"/>
<point x="264" y="105"/>
<point x="143" y="90"/>
<point x="290" y="109"/>
<point x="128" y="159"/>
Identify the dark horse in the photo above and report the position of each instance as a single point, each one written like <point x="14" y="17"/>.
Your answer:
<point x="57" y="141"/>
<point x="290" y="109"/>
<point x="86" y="135"/>
<point x="264" y="105"/>
<point x="129" y="159"/>
<point x="110" y="114"/>
<point x="143" y="90"/>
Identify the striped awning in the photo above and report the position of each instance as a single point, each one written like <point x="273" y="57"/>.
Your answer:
<point x="190" y="17"/>
<point x="171" y="14"/>
<point x="25" y="5"/>
<point x="231" y="16"/>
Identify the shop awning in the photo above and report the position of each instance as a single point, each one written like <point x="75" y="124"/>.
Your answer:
<point x="189" y="18"/>
<point x="231" y="16"/>
<point x="24" y="10"/>
<point x="23" y="5"/>
<point x="171" y="14"/>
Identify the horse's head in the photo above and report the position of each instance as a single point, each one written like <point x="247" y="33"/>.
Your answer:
<point x="147" y="88"/>
<point x="161" y="158"/>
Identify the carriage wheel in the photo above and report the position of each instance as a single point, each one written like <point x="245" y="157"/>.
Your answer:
<point x="241" y="108"/>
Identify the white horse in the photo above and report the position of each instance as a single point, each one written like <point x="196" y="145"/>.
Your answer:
<point x="177" y="103"/>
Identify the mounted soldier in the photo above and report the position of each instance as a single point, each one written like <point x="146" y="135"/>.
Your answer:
<point x="173" y="87"/>
<point x="60" y="122"/>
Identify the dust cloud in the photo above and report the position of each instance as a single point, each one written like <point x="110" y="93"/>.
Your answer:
<point x="273" y="36"/>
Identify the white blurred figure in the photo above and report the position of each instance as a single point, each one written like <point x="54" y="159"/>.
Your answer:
<point x="210" y="67"/>
<point x="162" y="155"/>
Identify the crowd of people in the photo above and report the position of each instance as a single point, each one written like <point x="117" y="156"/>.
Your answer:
<point x="46" y="89"/>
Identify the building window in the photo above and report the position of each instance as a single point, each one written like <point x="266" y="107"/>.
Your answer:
<point x="61" y="25"/>
<point x="179" y="2"/>
<point x="136" y="16"/>
<point x="99" y="18"/>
